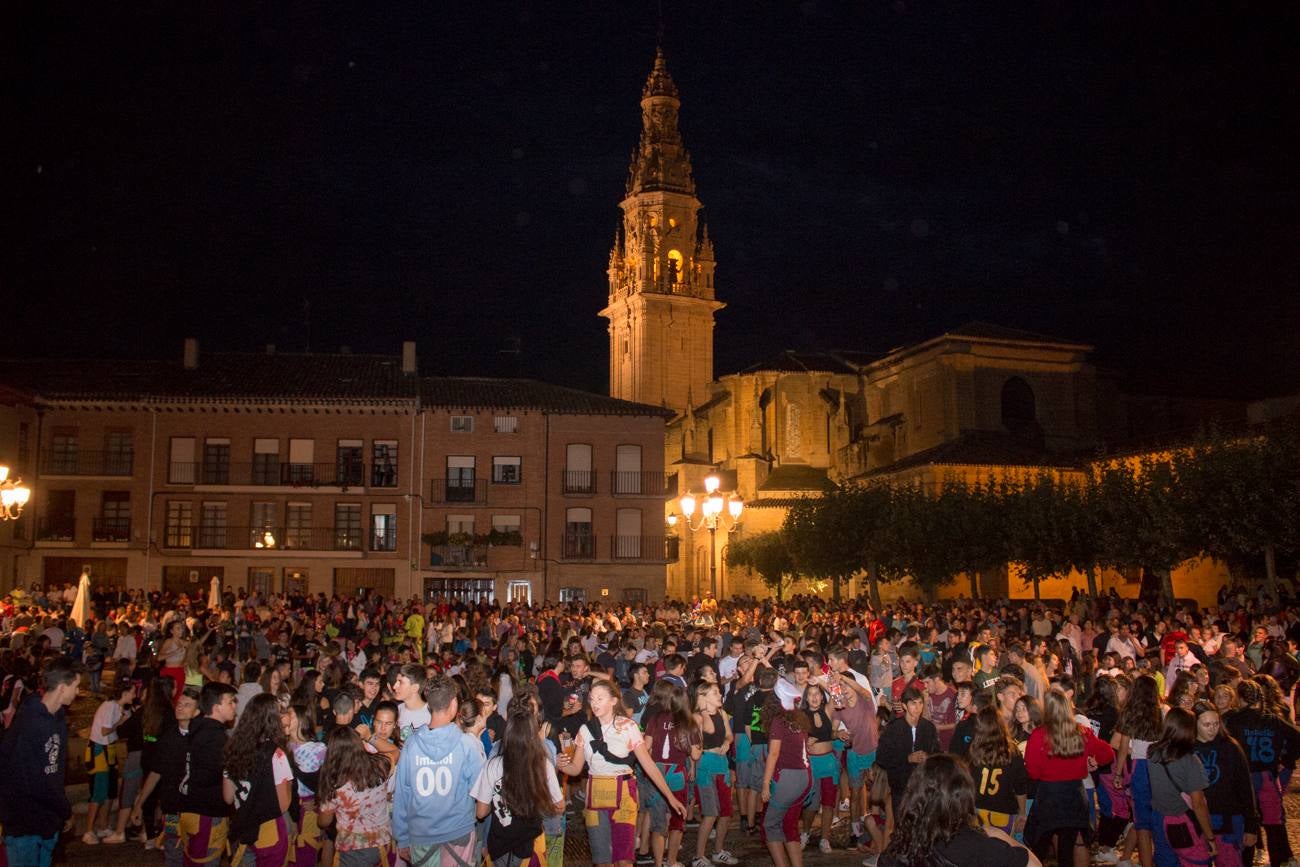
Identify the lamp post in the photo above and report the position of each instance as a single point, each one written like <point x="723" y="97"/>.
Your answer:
<point x="713" y="514"/>
<point x="13" y="495"/>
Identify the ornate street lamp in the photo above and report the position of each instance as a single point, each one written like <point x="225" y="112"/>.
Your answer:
<point x="13" y="495"/>
<point x="713" y="514"/>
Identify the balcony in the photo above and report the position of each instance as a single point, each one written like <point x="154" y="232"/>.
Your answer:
<point x="383" y="540"/>
<point x="81" y="463"/>
<point x="111" y="530"/>
<point x="266" y="539"/>
<point x="458" y="491"/>
<point x="579" y="482"/>
<point x="458" y="556"/>
<point x="383" y="474"/>
<point x="579" y="546"/>
<point x="650" y="549"/>
<point x="624" y="483"/>
<point x="269" y="474"/>
<point x="56" y="528"/>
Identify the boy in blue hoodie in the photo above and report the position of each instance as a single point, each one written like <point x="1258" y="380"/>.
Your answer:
<point x="433" y="813"/>
<point x="33" y="804"/>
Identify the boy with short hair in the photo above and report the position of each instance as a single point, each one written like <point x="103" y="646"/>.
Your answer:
<point x="205" y="815"/>
<point x="433" y="813"/>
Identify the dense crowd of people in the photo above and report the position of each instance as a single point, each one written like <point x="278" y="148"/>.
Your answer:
<point x="363" y="731"/>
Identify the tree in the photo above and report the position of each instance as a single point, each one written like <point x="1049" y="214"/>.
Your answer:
<point x="870" y="510"/>
<point x="1142" y="518"/>
<point x="974" y="523"/>
<point x="766" y="554"/>
<point x="1051" y="529"/>
<point x="920" y="542"/>
<point x="823" y="535"/>
<point x="1241" y="497"/>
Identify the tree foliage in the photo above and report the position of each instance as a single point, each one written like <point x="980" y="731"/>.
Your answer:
<point x="767" y="555"/>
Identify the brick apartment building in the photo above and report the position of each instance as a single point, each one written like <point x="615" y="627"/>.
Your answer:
<point x="329" y="473"/>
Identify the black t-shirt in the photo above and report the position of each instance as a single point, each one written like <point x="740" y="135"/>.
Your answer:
<point x="971" y="848"/>
<point x="961" y="737"/>
<point x="996" y="788"/>
<point x="751" y="708"/>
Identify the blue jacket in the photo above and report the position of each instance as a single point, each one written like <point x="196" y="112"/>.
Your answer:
<point x="432" y="803"/>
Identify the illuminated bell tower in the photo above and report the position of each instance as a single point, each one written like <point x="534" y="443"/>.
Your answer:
<point x="661" y="299"/>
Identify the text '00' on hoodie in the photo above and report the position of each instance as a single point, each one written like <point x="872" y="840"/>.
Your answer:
<point x="431" y="803"/>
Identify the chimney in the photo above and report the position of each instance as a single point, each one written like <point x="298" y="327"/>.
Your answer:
<point x="270" y="349"/>
<point x="191" y="353"/>
<point x="408" y="357"/>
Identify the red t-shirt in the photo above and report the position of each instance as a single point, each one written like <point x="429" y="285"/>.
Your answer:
<point x="663" y="738"/>
<point x="794" y="745"/>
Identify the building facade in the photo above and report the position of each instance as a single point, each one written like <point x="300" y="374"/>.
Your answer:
<point x="334" y="474"/>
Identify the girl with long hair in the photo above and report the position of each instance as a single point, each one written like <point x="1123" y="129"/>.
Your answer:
<point x="1057" y="755"/>
<point x="1182" y="830"/>
<point x="1001" y="782"/>
<point x="1026" y="715"/>
<point x="258" y="783"/>
<point x="386" y="739"/>
<point x="824" y="764"/>
<point x="712" y="774"/>
<point x="518" y="787"/>
<point x="171" y="654"/>
<point x="611" y="743"/>
<point x="937" y="823"/>
<point x="787" y="779"/>
<point x="353" y="797"/>
<point x="308" y="755"/>
<point x="674" y="743"/>
<point x="1230" y="795"/>
<point x="1138" y="727"/>
<point x="156" y="716"/>
<point x="1269" y="742"/>
<point x="310" y="694"/>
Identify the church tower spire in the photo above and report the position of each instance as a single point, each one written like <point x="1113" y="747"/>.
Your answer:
<point x="661" y="296"/>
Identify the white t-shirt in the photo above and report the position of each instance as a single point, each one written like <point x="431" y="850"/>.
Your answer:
<point x="107" y="715"/>
<point x="409" y="720"/>
<point x="622" y="736"/>
<point x="487" y="789"/>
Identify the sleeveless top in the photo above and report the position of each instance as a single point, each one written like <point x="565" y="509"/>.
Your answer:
<point x="715" y="738"/>
<point x="820" y="727"/>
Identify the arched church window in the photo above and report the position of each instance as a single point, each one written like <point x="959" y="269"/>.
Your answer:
<point x="675" y="266"/>
<point x="1018" y="406"/>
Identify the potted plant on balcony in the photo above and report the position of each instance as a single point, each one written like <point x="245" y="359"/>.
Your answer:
<point x="435" y="539"/>
<point x="460" y="539"/>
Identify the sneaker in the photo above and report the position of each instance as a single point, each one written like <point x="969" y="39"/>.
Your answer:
<point x="90" y="838"/>
<point x="856" y="827"/>
<point x="103" y="832"/>
<point x="1106" y="855"/>
<point x="803" y="839"/>
<point x="723" y="856"/>
<point x="869" y="861"/>
<point x="114" y="839"/>
<point x="150" y="845"/>
<point x="825" y="846"/>
<point x="844" y="805"/>
<point x="699" y="861"/>
<point x="644" y="858"/>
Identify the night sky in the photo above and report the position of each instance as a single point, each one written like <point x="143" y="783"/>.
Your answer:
<point x="872" y="174"/>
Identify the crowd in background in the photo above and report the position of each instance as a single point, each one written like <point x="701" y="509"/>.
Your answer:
<point x="358" y="730"/>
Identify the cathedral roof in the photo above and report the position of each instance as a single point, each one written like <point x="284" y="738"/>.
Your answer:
<point x="980" y="449"/>
<point x="791" y="361"/>
<point x="992" y="331"/>
<point x="796" y="477"/>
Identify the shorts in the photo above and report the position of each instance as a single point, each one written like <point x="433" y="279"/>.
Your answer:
<point x="825" y="789"/>
<point x="453" y="853"/>
<point x="610" y="816"/>
<point x="714" y="796"/>
<point x="750" y="774"/>
<point x="780" y="823"/>
<point x="102" y="768"/>
<point x="1140" y="787"/>
<point x="994" y="819"/>
<point x="662" y="819"/>
<point x="132" y="777"/>
<point x="202" y="838"/>
<point x="857" y="764"/>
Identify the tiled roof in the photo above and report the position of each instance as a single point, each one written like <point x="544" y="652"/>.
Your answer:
<point x="980" y="450"/>
<point x="218" y="376"/>
<point x="991" y="331"/>
<point x="287" y="377"/>
<point x="483" y="392"/>
<point x="802" y="362"/>
<point x="796" y="477"/>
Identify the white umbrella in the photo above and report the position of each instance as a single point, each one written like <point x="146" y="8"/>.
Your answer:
<point x="81" y="605"/>
<point x="214" y="594"/>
